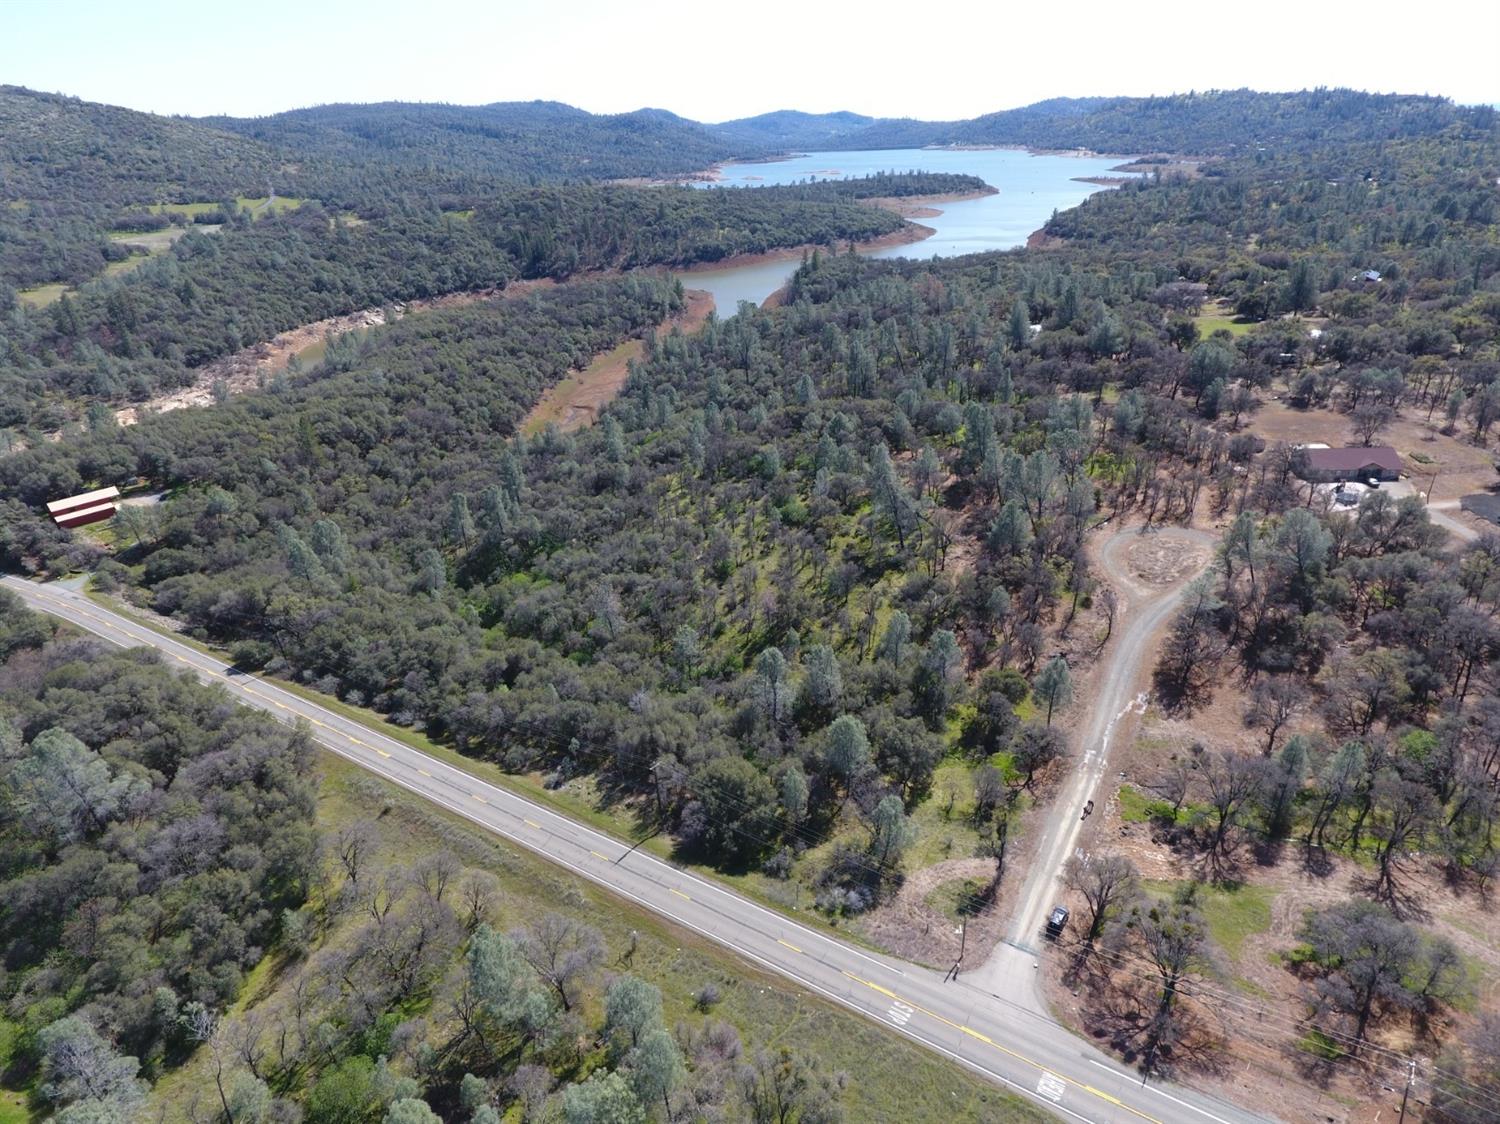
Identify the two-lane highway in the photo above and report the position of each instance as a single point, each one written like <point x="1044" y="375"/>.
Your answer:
<point x="1011" y="1042"/>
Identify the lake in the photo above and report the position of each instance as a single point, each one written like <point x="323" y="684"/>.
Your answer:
<point x="1029" y="187"/>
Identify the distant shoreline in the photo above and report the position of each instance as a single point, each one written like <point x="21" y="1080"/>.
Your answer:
<point x="911" y="232"/>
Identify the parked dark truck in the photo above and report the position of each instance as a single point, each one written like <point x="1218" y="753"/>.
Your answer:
<point x="1056" y="920"/>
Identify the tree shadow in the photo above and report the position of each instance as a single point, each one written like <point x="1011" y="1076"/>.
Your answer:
<point x="1315" y="861"/>
<point x="1404" y="903"/>
<point x="1268" y="852"/>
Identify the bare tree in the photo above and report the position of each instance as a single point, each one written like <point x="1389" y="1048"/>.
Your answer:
<point x="1174" y="939"/>
<point x="562" y="951"/>
<point x="246" y="1037"/>
<point x="1109" y="604"/>
<point x="1105" y="882"/>
<point x="353" y="846"/>
<point x="1369" y="418"/>
<point x="989" y="787"/>
<point x="203" y="1025"/>
<point x="478" y="898"/>
<point x="530" y="1084"/>
<point x="434" y="873"/>
<point x="1402" y="811"/>
<point x="1275" y="701"/>
<point x="1175" y="780"/>
<point x="1231" y="783"/>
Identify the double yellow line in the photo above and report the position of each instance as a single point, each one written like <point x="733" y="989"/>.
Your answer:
<point x="988" y="1041"/>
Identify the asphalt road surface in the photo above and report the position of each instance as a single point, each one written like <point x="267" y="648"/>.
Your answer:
<point x="1009" y="1040"/>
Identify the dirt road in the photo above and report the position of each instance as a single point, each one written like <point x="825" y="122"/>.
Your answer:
<point x="1438" y="513"/>
<point x="1149" y="573"/>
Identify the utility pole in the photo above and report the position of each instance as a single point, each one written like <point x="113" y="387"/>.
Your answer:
<point x="1411" y="1079"/>
<point x="963" y="940"/>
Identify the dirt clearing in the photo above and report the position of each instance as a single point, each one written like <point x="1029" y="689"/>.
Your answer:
<point x="576" y="401"/>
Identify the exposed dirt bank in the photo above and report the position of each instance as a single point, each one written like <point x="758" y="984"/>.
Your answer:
<point x="1041" y="240"/>
<point x="925" y="206"/>
<point x="576" y="401"/>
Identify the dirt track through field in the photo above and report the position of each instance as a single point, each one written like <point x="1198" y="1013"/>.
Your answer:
<point x="1150" y="572"/>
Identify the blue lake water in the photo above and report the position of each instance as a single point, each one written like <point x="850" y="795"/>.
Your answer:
<point x="1029" y="188"/>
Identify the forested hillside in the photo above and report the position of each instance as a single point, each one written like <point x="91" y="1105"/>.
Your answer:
<point x="507" y="140"/>
<point x="123" y="339"/>
<point x="1215" y="122"/>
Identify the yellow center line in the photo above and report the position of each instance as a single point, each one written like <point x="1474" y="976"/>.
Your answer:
<point x="1106" y="1096"/>
<point x="787" y="944"/>
<point x="424" y="772"/>
<point x="383" y="753"/>
<point x="679" y="893"/>
<point x="1003" y="1049"/>
<point x="530" y="823"/>
<point x="597" y="855"/>
<point x="476" y="796"/>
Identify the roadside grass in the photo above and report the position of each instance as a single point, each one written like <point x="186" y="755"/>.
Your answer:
<point x="1218" y="316"/>
<point x="941" y="837"/>
<point x="14" y="1107"/>
<point x="152" y="241"/>
<point x="1475" y="972"/>
<point x="890" y="1079"/>
<point x="1137" y="807"/>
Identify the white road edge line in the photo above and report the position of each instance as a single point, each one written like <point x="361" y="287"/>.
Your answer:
<point x="1158" y="1092"/>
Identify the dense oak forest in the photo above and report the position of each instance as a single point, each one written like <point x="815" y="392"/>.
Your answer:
<point x="811" y="554"/>
<point x="158" y="842"/>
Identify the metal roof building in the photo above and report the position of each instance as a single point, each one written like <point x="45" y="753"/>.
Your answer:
<point x="86" y="507"/>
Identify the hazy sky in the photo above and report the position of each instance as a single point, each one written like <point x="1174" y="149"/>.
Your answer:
<point x="715" y="60"/>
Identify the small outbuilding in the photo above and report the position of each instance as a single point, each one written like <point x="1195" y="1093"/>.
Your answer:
<point x="86" y="507"/>
<point x="1325" y="466"/>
